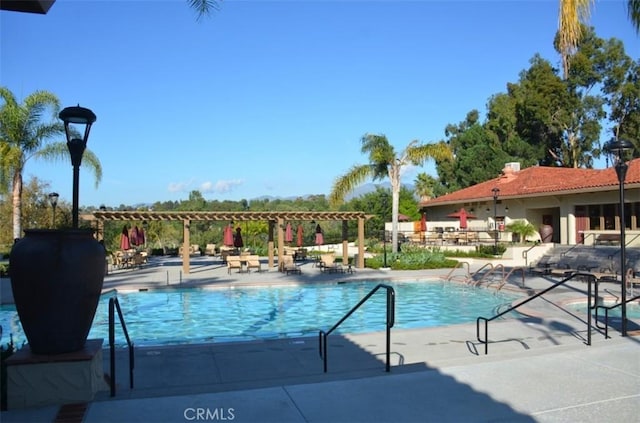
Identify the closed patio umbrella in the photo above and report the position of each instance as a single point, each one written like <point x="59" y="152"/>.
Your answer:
<point x="423" y="222"/>
<point x="133" y="236"/>
<point x="124" y="239"/>
<point x="319" y="236"/>
<point x="300" y="235"/>
<point x="141" y="237"/>
<point x="227" y="236"/>
<point x="237" y="239"/>
<point x="288" y="234"/>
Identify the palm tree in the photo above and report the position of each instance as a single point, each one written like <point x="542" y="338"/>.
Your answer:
<point x="204" y="7"/>
<point x="384" y="162"/>
<point x="424" y="185"/>
<point x="24" y="135"/>
<point x="573" y="14"/>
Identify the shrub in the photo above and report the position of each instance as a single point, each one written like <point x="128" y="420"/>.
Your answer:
<point x="412" y="258"/>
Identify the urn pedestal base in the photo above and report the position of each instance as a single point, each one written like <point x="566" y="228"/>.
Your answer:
<point x="35" y="380"/>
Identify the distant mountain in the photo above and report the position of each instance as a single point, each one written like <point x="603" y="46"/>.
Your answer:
<point x="359" y="191"/>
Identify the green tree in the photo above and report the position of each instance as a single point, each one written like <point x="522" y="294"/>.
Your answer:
<point x="383" y="163"/>
<point x="24" y="135"/>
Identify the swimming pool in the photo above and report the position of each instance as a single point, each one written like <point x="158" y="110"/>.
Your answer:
<point x="200" y="315"/>
<point x="633" y="309"/>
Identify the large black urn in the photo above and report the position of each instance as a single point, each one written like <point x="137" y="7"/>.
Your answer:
<point x="56" y="278"/>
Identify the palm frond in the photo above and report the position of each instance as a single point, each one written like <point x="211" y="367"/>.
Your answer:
<point x="633" y="7"/>
<point x="417" y="154"/>
<point x="345" y="184"/>
<point x="204" y="7"/>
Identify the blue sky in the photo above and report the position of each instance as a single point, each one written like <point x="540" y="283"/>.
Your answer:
<point x="268" y="97"/>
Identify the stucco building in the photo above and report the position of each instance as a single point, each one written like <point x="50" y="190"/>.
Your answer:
<point x="566" y="205"/>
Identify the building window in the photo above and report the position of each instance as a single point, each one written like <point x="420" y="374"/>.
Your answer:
<point x="594" y="218"/>
<point x="609" y="214"/>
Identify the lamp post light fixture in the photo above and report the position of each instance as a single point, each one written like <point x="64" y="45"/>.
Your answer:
<point x="619" y="148"/>
<point x="53" y="200"/>
<point x="384" y="231"/>
<point x="78" y="116"/>
<point x="495" y="219"/>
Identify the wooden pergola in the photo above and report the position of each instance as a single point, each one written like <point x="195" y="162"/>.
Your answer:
<point x="276" y="219"/>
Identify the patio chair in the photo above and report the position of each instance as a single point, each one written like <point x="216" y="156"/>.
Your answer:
<point x="288" y="265"/>
<point x="253" y="262"/>
<point x="233" y="262"/>
<point x="210" y="250"/>
<point x="542" y="266"/>
<point x="632" y="281"/>
<point x="328" y="264"/>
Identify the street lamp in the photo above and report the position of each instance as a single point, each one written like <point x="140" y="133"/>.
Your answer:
<point x="79" y="116"/>
<point x="384" y="231"/>
<point x="619" y="148"/>
<point x="495" y="219"/>
<point x="53" y="200"/>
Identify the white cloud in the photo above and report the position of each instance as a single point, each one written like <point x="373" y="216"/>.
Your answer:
<point x="220" y="187"/>
<point x="178" y="186"/>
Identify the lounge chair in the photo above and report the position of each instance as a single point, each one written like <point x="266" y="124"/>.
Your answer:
<point x="233" y="262"/>
<point x="542" y="266"/>
<point x="328" y="264"/>
<point x="253" y="262"/>
<point x="288" y="265"/>
<point x="632" y="281"/>
<point x="210" y="250"/>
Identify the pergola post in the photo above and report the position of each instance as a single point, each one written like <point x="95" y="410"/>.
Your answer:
<point x="345" y="242"/>
<point x="185" y="246"/>
<point x="360" y="264"/>
<point x="280" y="241"/>
<point x="270" y="244"/>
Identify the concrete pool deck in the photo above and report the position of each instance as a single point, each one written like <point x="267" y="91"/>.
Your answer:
<point x="537" y="369"/>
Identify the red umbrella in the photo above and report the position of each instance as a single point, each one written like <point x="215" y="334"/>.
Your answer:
<point x="288" y="234"/>
<point x="423" y="222"/>
<point x="300" y="235"/>
<point x="124" y="239"/>
<point x="319" y="236"/>
<point x="133" y="236"/>
<point x="227" y="236"/>
<point x="462" y="215"/>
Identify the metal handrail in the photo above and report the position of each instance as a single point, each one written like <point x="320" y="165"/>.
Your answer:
<point x="590" y="278"/>
<point x="391" y="311"/>
<point x="114" y="304"/>
<point x="525" y="253"/>
<point x="493" y="269"/>
<point x="449" y="275"/>
<point x="606" y="314"/>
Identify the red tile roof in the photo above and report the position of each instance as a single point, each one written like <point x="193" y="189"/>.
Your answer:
<point x="539" y="180"/>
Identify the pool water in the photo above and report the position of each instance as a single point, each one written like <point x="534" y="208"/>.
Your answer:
<point x="196" y="315"/>
<point x="633" y="309"/>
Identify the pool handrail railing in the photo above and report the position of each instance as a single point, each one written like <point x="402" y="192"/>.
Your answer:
<point x="115" y="304"/>
<point x="590" y="279"/>
<point x="606" y="314"/>
<point x="390" y="321"/>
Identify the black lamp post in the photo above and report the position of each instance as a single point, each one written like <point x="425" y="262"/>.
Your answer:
<point x="495" y="219"/>
<point x="79" y="116"/>
<point x="384" y="231"/>
<point x="619" y="148"/>
<point x="53" y="200"/>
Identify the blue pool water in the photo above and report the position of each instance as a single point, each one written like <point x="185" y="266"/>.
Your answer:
<point x="182" y="316"/>
<point x="633" y="309"/>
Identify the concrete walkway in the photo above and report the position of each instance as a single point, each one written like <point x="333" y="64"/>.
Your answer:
<point x="538" y="368"/>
